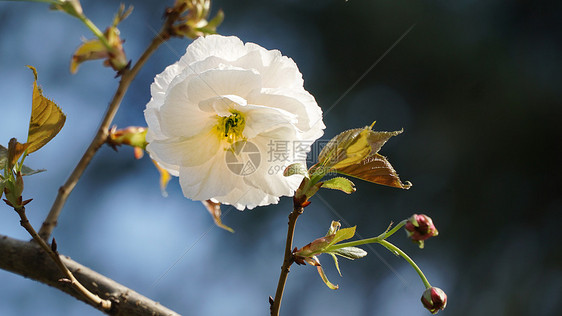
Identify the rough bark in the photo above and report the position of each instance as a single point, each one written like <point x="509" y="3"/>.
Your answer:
<point x="29" y="260"/>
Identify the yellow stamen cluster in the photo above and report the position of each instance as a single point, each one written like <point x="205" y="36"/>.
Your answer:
<point x="231" y="127"/>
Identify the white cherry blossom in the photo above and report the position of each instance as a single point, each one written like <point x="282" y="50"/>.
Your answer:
<point x="227" y="118"/>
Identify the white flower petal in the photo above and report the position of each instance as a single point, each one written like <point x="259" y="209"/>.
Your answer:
<point x="179" y="118"/>
<point x="269" y="175"/>
<point x="301" y="103"/>
<point x="190" y="152"/>
<point x="261" y="119"/>
<point x="222" y="105"/>
<point x="218" y="82"/>
<point x="277" y="71"/>
<point x="226" y="47"/>
<point x="210" y="180"/>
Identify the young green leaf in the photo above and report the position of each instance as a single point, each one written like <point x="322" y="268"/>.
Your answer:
<point x="340" y="183"/>
<point x="2" y="185"/>
<point x="26" y="171"/>
<point x="46" y="120"/>
<point x="296" y="168"/>
<point x="350" y="253"/>
<point x="3" y="157"/>
<point x="325" y="278"/>
<point x="343" y="234"/>
<point x="336" y="262"/>
<point x="376" y="169"/>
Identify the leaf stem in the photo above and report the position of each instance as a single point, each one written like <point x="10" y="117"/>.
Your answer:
<point x="103" y="130"/>
<point x="392" y="247"/>
<point x="98" y="301"/>
<point x="94" y="29"/>
<point x="372" y="240"/>
<point x="381" y="240"/>
<point x="287" y="261"/>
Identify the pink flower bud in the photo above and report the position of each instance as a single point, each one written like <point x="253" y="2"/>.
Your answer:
<point x="420" y="228"/>
<point x="434" y="299"/>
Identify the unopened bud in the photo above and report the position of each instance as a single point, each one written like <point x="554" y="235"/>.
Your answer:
<point x="434" y="299"/>
<point x="110" y="48"/>
<point x="133" y="136"/>
<point x="193" y="18"/>
<point x="420" y="228"/>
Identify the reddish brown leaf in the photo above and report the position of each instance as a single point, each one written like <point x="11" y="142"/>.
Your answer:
<point x="376" y="169"/>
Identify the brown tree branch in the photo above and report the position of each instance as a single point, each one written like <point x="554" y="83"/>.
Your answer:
<point x="127" y="77"/>
<point x="51" y="251"/>
<point x="288" y="259"/>
<point x="29" y="260"/>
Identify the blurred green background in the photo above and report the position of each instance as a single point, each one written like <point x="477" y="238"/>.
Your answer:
<point x="473" y="84"/>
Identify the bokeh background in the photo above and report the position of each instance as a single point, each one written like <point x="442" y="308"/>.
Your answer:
<point x="474" y="84"/>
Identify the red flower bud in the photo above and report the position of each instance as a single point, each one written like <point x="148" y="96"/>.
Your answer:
<point x="434" y="299"/>
<point x="420" y="228"/>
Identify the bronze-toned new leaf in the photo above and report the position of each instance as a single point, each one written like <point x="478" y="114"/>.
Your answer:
<point x="15" y="150"/>
<point x="375" y="169"/>
<point x="89" y="50"/>
<point x="215" y="211"/>
<point x="46" y="120"/>
<point x="352" y="146"/>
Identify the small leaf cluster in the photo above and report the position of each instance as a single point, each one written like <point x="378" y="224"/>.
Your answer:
<point x="46" y="121"/>
<point x="326" y="244"/>
<point x="352" y="153"/>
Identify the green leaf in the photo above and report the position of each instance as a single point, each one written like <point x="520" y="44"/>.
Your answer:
<point x="296" y="168"/>
<point x="340" y="183"/>
<point x="350" y="253"/>
<point x="325" y="278"/>
<point x="46" y="120"/>
<point x="336" y="262"/>
<point x="2" y="185"/>
<point x="342" y="234"/>
<point x="26" y="171"/>
<point x="3" y="157"/>
<point x="376" y="169"/>
<point x="216" y="21"/>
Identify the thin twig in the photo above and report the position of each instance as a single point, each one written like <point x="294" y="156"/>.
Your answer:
<point x="127" y="77"/>
<point x="98" y="301"/>
<point x="288" y="260"/>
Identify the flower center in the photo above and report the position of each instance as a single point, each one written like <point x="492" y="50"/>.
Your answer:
<point x="231" y="127"/>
